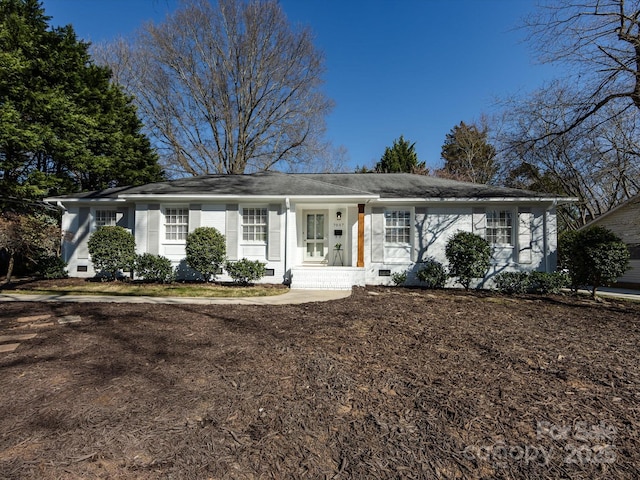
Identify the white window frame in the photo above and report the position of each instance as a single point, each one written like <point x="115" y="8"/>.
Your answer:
<point x="181" y="213"/>
<point x="99" y="222"/>
<point x="262" y="224"/>
<point x="501" y="223"/>
<point x="390" y="214"/>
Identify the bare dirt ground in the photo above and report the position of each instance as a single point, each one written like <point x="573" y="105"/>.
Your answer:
<point x="389" y="383"/>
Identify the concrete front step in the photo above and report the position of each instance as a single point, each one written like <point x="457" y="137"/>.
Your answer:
<point x="326" y="278"/>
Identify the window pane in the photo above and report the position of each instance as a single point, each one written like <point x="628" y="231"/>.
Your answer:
<point x="311" y="233"/>
<point x="104" y="218"/>
<point x="320" y="226"/>
<point x="499" y="227"/>
<point x="254" y="224"/>
<point x="397" y="226"/>
<point x="176" y="223"/>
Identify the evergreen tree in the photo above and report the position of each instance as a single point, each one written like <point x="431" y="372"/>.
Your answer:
<point x="63" y="126"/>
<point x="400" y="158"/>
<point x="468" y="155"/>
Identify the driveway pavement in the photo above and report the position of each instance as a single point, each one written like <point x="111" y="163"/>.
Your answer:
<point x="289" y="298"/>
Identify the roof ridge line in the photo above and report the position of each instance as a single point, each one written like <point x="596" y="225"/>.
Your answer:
<point x="333" y="184"/>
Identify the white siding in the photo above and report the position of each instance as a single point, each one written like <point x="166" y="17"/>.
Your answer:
<point x="537" y="238"/>
<point x="440" y="225"/>
<point x="213" y="216"/>
<point x="253" y="252"/>
<point x="70" y="222"/>
<point x="141" y="234"/>
<point x="442" y="222"/>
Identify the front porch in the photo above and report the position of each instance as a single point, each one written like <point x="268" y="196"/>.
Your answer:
<point x="326" y="278"/>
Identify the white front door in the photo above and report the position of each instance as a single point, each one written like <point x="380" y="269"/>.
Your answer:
<point x="315" y="236"/>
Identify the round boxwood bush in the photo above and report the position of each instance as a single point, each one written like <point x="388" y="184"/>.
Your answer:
<point x="432" y="274"/>
<point x="154" y="268"/>
<point x="595" y="256"/>
<point x="245" y="272"/>
<point x="206" y="252"/>
<point x="469" y="255"/>
<point x="112" y="249"/>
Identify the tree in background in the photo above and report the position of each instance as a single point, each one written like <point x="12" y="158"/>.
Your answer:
<point x="597" y="162"/>
<point x="578" y="135"/>
<point x="226" y="88"/>
<point x="31" y="238"/>
<point x="599" y="42"/>
<point x="63" y="126"/>
<point x="468" y="156"/>
<point x="400" y="158"/>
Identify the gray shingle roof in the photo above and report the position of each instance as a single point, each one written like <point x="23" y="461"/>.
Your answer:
<point x="384" y="185"/>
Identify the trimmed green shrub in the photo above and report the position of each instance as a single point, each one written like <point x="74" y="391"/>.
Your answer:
<point x="595" y="256"/>
<point x="513" y="282"/>
<point x="52" y="267"/>
<point x="432" y="274"/>
<point x="469" y="255"/>
<point x="154" y="268"/>
<point x="544" y="282"/>
<point x="245" y="272"/>
<point x="566" y="245"/>
<point x="112" y="249"/>
<point x="399" y="278"/>
<point x="206" y="252"/>
<point x="533" y="282"/>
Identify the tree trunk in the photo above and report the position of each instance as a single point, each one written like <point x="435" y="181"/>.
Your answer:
<point x="10" y="267"/>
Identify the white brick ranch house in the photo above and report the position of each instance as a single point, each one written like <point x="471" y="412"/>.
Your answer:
<point x="326" y="231"/>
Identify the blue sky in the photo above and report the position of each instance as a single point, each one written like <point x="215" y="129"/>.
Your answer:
<point x="393" y="67"/>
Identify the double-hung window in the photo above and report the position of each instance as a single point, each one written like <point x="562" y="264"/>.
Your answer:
<point x="176" y="223"/>
<point x="254" y="225"/>
<point x="105" y="218"/>
<point x="397" y="225"/>
<point x="499" y="227"/>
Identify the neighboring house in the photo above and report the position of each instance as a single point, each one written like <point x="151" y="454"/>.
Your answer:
<point x="320" y="230"/>
<point x="624" y="221"/>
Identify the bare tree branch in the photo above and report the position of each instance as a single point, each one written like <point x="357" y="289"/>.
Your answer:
<point x="597" y="161"/>
<point x="226" y="88"/>
<point x="599" y="40"/>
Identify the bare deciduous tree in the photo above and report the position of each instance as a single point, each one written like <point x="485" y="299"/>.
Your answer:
<point x="225" y="88"/>
<point x="599" y="41"/>
<point x="579" y="135"/>
<point x="597" y="161"/>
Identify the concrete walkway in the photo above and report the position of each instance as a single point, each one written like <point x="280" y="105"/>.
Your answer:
<point x="609" y="292"/>
<point x="290" y="298"/>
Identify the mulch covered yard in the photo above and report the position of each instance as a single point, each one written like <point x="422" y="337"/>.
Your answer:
<point x="387" y="383"/>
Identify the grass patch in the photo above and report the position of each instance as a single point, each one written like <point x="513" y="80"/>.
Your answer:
<point x="153" y="290"/>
